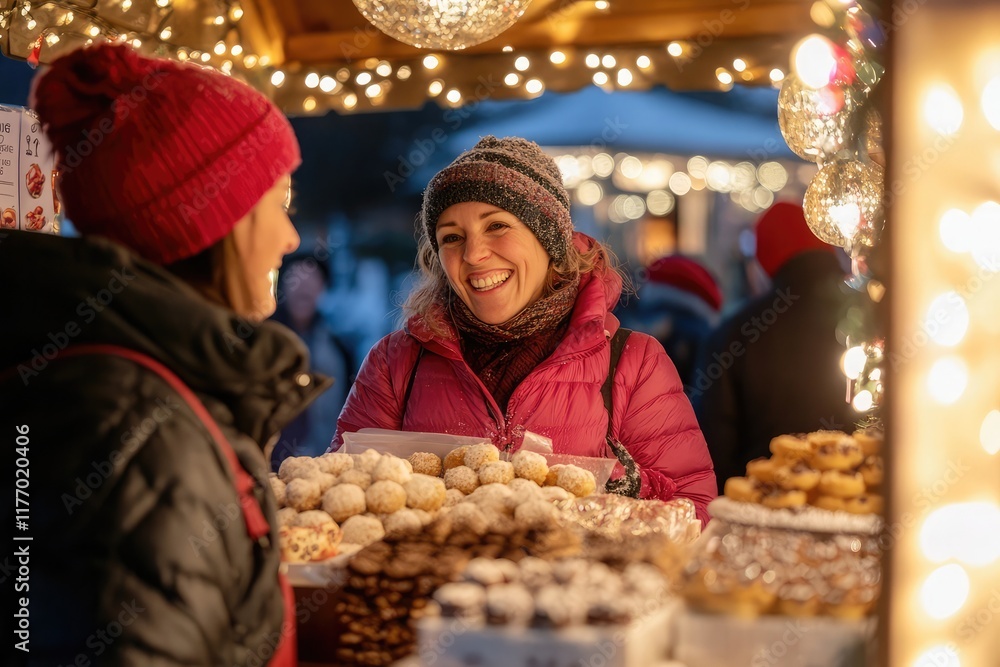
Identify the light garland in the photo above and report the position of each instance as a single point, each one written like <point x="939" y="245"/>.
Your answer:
<point x="161" y="28"/>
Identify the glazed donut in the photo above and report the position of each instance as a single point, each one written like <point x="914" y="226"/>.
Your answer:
<point x="872" y="470"/>
<point x="868" y="503"/>
<point x="844" y="454"/>
<point x="791" y="448"/>
<point x="841" y="484"/>
<point x="798" y="476"/>
<point x="762" y="470"/>
<point x="743" y="490"/>
<point x="780" y="499"/>
<point x="830" y="503"/>
<point x="870" y="441"/>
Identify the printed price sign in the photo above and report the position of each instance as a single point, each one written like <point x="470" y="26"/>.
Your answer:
<point x="27" y="177"/>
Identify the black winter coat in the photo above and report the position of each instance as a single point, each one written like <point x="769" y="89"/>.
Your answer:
<point x="773" y="367"/>
<point x="139" y="554"/>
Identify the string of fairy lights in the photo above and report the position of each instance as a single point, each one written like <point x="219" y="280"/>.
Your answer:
<point x="211" y="33"/>
<point x="827" y="114"/>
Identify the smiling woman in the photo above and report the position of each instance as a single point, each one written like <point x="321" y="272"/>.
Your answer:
<point x="510" y="330"/>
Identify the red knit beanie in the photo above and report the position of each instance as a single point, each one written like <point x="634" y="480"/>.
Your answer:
<point x="162" y="157"/>
<point x="686" y="275"/>
<point x="782" y="233"/>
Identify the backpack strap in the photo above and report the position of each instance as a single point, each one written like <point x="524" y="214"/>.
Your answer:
<point x="629" y="484"/>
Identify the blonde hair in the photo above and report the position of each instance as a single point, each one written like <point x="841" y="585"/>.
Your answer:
<point x="432" y="287"/>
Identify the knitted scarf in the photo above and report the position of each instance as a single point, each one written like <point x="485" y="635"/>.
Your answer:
<point x="502" y="355"/>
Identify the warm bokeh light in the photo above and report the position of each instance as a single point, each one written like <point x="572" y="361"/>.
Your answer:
<point x="557" y="57"/>
<point x="589" y="193"/>
<point x="777" y="76"/>
<point x="643" y="62"/>
<point x="431" y="61"/>
<point x="989" y="432"/>
<point x="327" y="84"/>
<point x="853" y="362"/>
<point x="624" y="77"/>
<point x="938" y="656"/>
<point x="534" y="86"/>
<point x="363" y="79"/>
<point x="675" y="49"/>
<point x="601" y="78"/>
<point x="454" y="96"/>
<point x="986" y="235"/>
<point x="955" y="228"/>
<point x="991" y="103"/>
<point x="724" y="77"/>
<point x="522" y="63"/>
<point x="943" y="110"/>
<point x="592" y="60"/>
<point x="947" y="380"/>
<point x="968" y="532"/>
<point x="277" y="78"/>
<point x="863" y="401"/>
<point x="947" y="319"/>
<point x="680" y="183"/>
<point x="435" y="87"/>
<point x="815" y="61"/>
<point x="609" y="61"/>
<point x="945" y="591"/>
<point x="512" y="79"/>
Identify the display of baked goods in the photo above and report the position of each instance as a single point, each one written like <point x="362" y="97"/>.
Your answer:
<point x="389" y="583"/>
<point x="370" y="495"/>
<point x="751" y="570"/>
<point x="535" y="592"/>
<point x="829" y="470"/>
<point x="34" y="219"/>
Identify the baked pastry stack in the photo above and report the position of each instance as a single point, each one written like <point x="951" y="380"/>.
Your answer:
<point x="830" y="470"/>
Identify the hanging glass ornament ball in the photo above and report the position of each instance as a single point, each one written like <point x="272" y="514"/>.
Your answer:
<point x="843" y="204"/>
<point x="816" y="124"/>
<point x="442" y="24"/>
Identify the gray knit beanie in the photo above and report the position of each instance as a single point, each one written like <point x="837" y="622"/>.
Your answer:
<point x="513" y="174"/>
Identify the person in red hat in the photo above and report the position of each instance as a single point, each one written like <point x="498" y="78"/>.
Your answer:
<point x="678" y="303"/>
<point x="144" y="382"/>
<point x="773" y="367"/>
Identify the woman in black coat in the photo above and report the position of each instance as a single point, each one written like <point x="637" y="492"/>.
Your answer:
<point x="140" y="375"/>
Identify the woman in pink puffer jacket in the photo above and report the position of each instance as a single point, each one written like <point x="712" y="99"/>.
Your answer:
<point x="510" y="332"/>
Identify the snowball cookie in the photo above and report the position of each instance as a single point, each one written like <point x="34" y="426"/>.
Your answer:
<point x="555" y="494"/>
<point x="303" y="494"/>
<point x="344" y="501"/>
<point x="313" y="518"/>
<point x="424" y="492"/>
<point x="496" y="472"/>
<point x="530" y="465"/>
<point x="385" y="497"/>
<point x="324" y="479"/>
<point x="477" y="455"/>
<point x="335" y="463"/>
<point x="553" y="476"/>
<point x="493" y="498"/>
<point x="278" y="489"/>
<point x="287" y="516"/>
<point x="468" y="516"/>
<point x="462" y="478"/>
<point x="455" y="457"/>
<point x="392" y="469"/>
<point x="576" y="480"/>
<point x="401" y="522"/>
<point x="523" y="489"/>
<point x="366" y="461"/>
<point x="296" y="467"/>
<point x="425" y="517"/>
<point x="536" y="514"/>
<point x="425" y="463"/>
<point x="453" y="497"/>
<point x="362" y="530"/>
<point x="355" y="477"/>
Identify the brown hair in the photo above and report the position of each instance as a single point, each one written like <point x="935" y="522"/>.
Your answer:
<point x="217" y="273"/>
<point x="433" y="286"/>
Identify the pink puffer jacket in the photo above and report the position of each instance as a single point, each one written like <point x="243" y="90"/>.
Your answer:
<point x="560" y="399"/>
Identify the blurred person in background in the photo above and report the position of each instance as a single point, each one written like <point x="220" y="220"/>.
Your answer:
<point x="302" y="282"/>
<point x="678" y="304"/>
<point x="510" y="330"/>
<point x="773" y="367"/>
<point x="158" y="384"/>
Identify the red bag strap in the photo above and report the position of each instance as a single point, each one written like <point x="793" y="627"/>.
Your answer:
<point x="253" y="516"/>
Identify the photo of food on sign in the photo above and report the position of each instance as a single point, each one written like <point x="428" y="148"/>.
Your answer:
<point x="34" y="180"/>
<point x="56" y="204"/>
<point x="35" y="219"/>
<point x="8" y="220"/>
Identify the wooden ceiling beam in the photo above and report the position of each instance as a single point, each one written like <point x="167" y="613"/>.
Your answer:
<point x="745" y="19"/>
